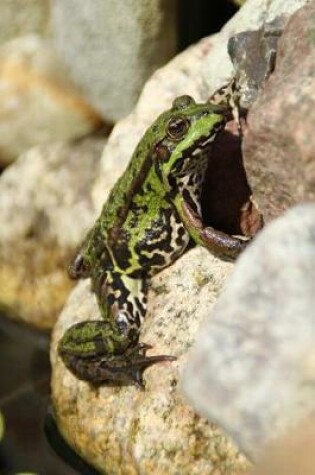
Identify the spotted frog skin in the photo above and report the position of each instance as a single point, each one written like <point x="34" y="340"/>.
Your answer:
<point x="152" y="214"/>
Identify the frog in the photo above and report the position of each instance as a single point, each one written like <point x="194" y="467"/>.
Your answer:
<point x="152" y="215"/>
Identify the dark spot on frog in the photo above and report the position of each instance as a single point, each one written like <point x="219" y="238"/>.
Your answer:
<point x="189" y="200"/>
<point x="140" y="306"/>
<point x="154" y="260"/>
<point x="111" y="299"/>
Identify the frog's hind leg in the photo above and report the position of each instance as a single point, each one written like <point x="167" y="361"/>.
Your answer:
<point x="108" y="350"/>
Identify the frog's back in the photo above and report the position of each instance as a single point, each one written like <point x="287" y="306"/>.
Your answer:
<point x="135" y="175"/>
<point x="121" y="195"/>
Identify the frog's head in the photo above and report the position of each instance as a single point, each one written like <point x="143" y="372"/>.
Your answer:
<point x="184" y="135"/>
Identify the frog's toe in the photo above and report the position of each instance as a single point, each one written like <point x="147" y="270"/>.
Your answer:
<point x="142" y="348"/>
<point x="136" y="361"/>
<point x="125" y="367"/>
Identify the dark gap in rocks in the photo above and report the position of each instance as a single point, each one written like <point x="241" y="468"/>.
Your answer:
<point x="226" y="191"/>
<point x="200" y="18"/>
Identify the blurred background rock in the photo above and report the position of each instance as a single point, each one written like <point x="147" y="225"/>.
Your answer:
<point x="21" y="17"/>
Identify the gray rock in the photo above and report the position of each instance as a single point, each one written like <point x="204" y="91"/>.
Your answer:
<point x="112" y="48"/>
<point x="253" y="54"/>
<point x="45" y="210"/>
<point x="217" y="68"/>
<point x="252" y="367"/>
<point x="20" y="17"/>
<point x="38" y="103"/>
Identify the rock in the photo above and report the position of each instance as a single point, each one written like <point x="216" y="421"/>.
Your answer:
<point x="239" y="3"/>
<point x="38" y="104"/>
<point x="217" y="68"/>
<point x="125" y="430"/>
<point x="111" y="55"/>
<point x="253" y="54"/>
<point x="292" y="454"/>
<point x="20" y="17"/>
<point x="252" y="367"/>
<point x="279" y="143"/>
<point x="45" y="212"/>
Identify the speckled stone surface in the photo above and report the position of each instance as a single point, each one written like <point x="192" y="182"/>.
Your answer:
<point x="128" y="431"/>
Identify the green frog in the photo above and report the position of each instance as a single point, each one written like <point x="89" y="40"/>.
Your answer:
<point x="150" y="217"/>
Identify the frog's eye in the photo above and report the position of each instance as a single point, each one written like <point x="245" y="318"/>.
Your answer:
<point x="177" y="128"/>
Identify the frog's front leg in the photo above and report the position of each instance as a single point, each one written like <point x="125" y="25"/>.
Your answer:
<point x="218" y="242"/>
<point x="228" y="96"/>
<point x="108" y="350"/>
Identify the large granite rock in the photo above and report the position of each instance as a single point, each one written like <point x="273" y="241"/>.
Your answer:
<point x="128" y="431"/>
<point x="111" y="49"/>
<point x="252" y="367"/>
<point x="45" y="210"/>
<point x="38" y="102"/>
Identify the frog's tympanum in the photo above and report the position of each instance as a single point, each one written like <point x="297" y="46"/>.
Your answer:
<point x="151" y="215"/>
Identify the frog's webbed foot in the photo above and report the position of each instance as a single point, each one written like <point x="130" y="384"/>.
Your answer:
<point x="216" y="241"/>
<point x="97" y="352"/>
<point x="128" y="368"/>
<point x="229" y="96"/>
